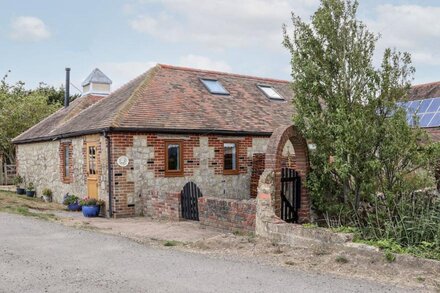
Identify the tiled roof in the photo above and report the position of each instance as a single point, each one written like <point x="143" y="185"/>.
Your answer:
<point x="425" y="91"/>
<point x="172" y="99"/>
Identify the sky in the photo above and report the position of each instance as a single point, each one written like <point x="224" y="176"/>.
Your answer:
<point x="124" y="38"/>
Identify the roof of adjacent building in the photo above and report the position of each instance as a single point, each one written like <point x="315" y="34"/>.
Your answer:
<point x="172" y="99"/>
<point x="96" y="76"/>
<point x="425" y="91"/>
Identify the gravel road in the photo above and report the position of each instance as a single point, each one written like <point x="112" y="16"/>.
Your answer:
<point x="39" y="256"/>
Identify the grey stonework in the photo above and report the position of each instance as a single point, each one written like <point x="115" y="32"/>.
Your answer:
<point x="39" y="163"/>
<point x="225" y="186"/>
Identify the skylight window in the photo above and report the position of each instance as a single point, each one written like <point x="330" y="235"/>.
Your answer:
<point x="270" y="92"/>
<point x="214" y="86"/>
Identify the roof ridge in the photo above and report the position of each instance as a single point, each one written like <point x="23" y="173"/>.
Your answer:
<point x="129" y="102"/>
<point x="167" y="66"/>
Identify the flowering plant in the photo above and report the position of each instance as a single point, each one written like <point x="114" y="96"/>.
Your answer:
<point x="87" y="201"/>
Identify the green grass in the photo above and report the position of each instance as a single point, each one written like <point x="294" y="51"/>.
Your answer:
<point x="171" y="243"/>
<point x="341" y="259"/>
<point x="389" y="256"/>
<point x="310" y="226"/>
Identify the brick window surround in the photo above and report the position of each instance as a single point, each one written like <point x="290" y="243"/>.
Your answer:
<point x="180" y="171"/>
<point x="66" y="156"/>
<point x="236" y="170"/>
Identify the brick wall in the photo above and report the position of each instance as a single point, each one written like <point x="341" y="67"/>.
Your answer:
<point x="227" y="214"/>
<point x="62" y="151"/>
<point x="165" y="207"/>
<point x="257" y="170"/>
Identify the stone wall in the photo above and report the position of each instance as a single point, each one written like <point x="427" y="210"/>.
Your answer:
<point x="227" y="214"/>
<point x="41" y="164"/>
<point x="203" y="165"/>
<point x="164" y="206"/>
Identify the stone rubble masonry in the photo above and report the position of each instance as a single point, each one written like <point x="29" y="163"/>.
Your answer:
<point x="203" y="165"/>
<point x="227" y="214"/>
<point x="160" y="207"/>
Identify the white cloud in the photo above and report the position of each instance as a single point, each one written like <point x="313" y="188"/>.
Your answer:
<point x="222" y="23"/>
<point x="29" y="29"/>
<point x="202" y="62"/>
<point x="411" y="28"/>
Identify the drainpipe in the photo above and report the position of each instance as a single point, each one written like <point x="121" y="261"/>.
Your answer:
<point x="110" y="173"/>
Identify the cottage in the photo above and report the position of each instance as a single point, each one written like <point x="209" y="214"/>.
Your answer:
<point x="140" y="146"/>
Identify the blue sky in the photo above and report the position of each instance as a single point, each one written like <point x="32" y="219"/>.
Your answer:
<point x="125" y="37"/>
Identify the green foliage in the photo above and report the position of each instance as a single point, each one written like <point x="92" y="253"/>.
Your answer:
<point x="368" y="161"/>
<point x="389" y="256"/>
<point x="88" y="201"/>
<point x="18" y="180"/>
<point x="21" y="108"/>
<point x="171" y="243"/>
<point x="70" y="199"/>
<point x="47" y="192"/>
<point x="309" y="225"/>
<point x="341" y="259"/>
<point x="30" y="187"/>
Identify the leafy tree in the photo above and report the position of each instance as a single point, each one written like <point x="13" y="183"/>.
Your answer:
<point x="20" y="109"/>
<point x="348" y="108"/>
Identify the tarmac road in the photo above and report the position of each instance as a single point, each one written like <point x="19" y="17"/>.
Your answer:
<point x="40" y="256"/>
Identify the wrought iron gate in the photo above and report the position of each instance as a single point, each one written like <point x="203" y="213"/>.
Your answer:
<point x="189" y="195"/>
<point x="290" y="195"/>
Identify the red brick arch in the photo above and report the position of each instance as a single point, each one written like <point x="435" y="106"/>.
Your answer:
<point x="274" y="161"/>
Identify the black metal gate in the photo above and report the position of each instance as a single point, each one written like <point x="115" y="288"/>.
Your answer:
<point x="290" y="195"/>
<point x="189" y="195"/>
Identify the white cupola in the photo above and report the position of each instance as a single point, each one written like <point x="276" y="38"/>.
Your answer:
<point x="97" y="83"/>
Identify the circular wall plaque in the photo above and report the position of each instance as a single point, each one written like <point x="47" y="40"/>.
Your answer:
<point x="122" y="161"/>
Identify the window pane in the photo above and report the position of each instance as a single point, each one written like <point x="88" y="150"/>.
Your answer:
<point x="173" y="157"/>
<point x="270" y="92"/>
<point x="66" y="161"/>
<point x="92" y="160"/>
<point x="214" y="86"/>
<point x="230" y="158"/>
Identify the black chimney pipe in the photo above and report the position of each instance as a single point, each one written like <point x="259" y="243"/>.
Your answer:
<point x="67" y="92"/>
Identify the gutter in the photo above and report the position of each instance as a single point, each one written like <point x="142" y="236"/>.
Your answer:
<point x="110" y="173"/>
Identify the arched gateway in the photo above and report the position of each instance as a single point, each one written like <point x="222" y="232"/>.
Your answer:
<point x="283" y="183"/>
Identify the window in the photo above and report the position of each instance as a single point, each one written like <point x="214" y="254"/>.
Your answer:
<point x="270" y="92"/>
<point x="92" y="160"/>
<point x="230" y="158"/>
<point x="66" y="160"/>
<point x="214" y="86"/>
<point x="173" y="158"/>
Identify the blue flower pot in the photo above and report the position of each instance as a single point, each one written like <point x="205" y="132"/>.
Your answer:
<point x="30" y="193"/>
<point x="91" y="211"/>
<point x="74" y="207"/>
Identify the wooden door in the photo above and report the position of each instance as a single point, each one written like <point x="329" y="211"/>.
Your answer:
<point x="92" y="170"/>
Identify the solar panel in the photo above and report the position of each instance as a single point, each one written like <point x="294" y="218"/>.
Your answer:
<point x="426" y="112"/>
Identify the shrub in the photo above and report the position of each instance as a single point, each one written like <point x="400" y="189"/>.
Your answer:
<point x="18" y="180"/>
<point x="47" y="192"/>
<point x="70" y="199"/>
<point x="30" y="187"/>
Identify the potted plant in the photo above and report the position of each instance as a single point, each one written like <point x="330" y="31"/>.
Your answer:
<point x="30" y="190"/>
<point x="91" y="206"/>
<point x="47" y="195"/>
<point x="71" y="201"/>
<point x="18" y="181"/>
